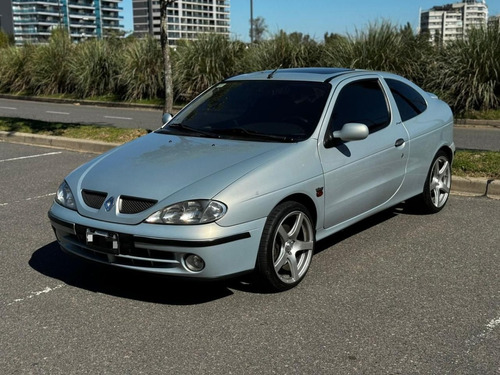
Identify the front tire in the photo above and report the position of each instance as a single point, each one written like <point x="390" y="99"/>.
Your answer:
<point x="286" y="247"/>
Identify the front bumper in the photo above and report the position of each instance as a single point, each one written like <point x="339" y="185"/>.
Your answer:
<point x="162" y="249"/>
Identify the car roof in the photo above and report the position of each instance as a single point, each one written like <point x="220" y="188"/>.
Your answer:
<point x="295" y="74"/>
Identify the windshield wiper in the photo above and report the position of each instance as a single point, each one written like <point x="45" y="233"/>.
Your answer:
<point x="190" y="130"/>
<point x="254" y="135"/>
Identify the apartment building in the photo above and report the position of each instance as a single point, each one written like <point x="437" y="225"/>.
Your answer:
<point x="32" y="21"/>
<point x="452" y="21"/>
<point x="186" y="19"/>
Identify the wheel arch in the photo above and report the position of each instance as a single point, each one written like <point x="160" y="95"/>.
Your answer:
<point x="448" y="151"/>
<point x="306" y="201"/>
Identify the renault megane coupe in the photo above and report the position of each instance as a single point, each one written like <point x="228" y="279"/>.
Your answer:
<point x="255" y="170"/>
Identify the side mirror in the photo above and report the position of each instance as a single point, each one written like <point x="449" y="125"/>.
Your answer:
<point x="352" y="132"/>
<point x="166" y="118"/>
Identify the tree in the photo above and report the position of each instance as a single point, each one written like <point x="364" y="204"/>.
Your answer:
<point x="259" y="28"/>
<point x="167" y="64"/>
<point x="334" y="39"/>
<point x="438" y="40"/>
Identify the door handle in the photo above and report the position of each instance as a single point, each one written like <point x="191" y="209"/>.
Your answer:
<point x="399" y="142"/>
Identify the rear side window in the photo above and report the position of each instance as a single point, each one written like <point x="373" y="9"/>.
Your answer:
<point x="362" y="102"/>
<point x="410" y="103"/>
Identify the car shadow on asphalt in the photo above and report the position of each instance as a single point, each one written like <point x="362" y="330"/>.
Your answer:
<point x="379" y="218"/>
<point x="49" y="260"/>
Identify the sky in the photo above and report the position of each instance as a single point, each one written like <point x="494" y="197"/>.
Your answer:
<point x="317" y="17"/>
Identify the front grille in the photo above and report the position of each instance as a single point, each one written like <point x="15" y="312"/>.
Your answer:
<point x="93" y="199"/>
<point x="133" y="205"/>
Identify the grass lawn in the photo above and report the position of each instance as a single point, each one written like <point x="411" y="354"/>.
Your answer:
<point x="492" y="114"/>
<point x="466" y="164"/>
<point x="92" y="132"/>
<point x="477" y="164"/>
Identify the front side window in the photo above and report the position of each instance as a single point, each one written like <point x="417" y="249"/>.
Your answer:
<point x="361" y="102"/>
<point x="270" y="110"/>
<point x="410" y="103"/>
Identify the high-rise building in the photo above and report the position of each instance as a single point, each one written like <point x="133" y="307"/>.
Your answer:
<point x="452" y="21"/>
<point x="186" y="19"/>
<point x="32" y="21"/>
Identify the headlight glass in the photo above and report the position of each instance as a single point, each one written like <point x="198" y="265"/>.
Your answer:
<point x="189" y="212"/>
<point x="65" y="197"/>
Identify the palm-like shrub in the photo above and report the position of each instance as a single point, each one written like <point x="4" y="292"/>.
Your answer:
<point x="200" y="63"/>
<point x="382" y="46"/>
<point x="94" y="68"/>
<point x="15" y="74"/>
<point x="49" y="67"/>
<point x="142" y="71"/>
<point x="467" y="73"/>
<point x="283" y="50"/>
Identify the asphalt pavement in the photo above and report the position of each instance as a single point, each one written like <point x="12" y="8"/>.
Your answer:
<point x="399" y="293"/>
<point x="128" y="116"/>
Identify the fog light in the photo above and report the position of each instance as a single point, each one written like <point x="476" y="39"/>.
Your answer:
<point x="194" y="263"/>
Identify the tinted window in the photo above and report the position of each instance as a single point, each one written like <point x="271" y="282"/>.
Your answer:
<point x="410" y="103"/>
<point x="361" y="102"/>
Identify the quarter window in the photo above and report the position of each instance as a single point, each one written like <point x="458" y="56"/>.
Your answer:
<point x="410" y="103"/>
<point x="361" y="102"/>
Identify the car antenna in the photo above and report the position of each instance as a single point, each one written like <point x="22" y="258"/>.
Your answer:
<point x="274" y="71"/>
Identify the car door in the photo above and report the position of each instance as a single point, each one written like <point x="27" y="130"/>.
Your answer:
<point x="364" y="174"/>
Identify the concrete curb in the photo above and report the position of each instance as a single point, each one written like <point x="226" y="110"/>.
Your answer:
<point x="477" y="187"/>
<point x="470" y="122"/>
<point x="460" y="185"/>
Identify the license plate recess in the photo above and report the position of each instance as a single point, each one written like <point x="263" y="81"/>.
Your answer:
<point x="102" y="241"/>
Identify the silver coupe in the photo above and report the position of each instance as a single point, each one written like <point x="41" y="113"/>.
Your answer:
<point x="255" y="170"/>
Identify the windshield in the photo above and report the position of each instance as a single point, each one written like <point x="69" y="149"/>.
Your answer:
<point x="286" y="111"/>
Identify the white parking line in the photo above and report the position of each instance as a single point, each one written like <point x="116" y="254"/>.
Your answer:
<point x="10" y="108"/>
<point x="119" y="118"/>
<point x="28" y="199"/>
<point x="490" y="327"/>
<point x="32" y="156"/>
<point x="57" y="113"/>
<point x="36" y="294"/>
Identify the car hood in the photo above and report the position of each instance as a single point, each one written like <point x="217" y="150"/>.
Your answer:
<point x="167" y="169"/>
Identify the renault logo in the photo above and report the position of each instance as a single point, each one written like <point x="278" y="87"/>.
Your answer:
<point x="108" y="205"/>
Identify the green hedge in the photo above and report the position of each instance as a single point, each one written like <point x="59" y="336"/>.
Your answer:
<point x="464" y="73"/>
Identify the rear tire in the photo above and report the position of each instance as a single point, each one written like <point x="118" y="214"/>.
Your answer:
<point x="437" y="185"/>
<point x="286" y="247"/>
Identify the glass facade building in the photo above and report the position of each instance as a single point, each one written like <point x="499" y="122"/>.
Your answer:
<point x="32" y="21"/>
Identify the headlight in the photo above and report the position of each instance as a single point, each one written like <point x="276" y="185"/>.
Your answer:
<point x="65" y="197"/>
<point x="189" y="212"/>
